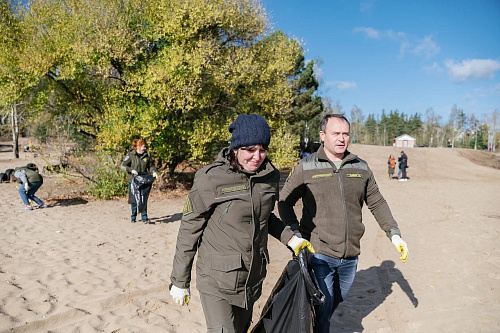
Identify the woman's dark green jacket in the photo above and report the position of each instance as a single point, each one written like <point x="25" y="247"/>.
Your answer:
<point x="227" y="218"/>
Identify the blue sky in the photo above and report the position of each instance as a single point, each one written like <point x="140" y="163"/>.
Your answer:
<point x="408" y="55"/>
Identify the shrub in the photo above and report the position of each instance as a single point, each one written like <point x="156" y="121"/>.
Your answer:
<point x="107" y="180"/>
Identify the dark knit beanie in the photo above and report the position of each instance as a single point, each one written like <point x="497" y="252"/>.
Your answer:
<point x="32" y="166"/>
<point x="249" y="130"/>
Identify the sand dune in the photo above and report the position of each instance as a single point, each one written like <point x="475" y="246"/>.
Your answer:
<point x="81" y="266"/>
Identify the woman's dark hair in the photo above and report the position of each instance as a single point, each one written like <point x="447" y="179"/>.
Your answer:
<point x="233" y="160"/>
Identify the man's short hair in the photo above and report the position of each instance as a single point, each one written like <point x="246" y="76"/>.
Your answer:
<point x="326" y="117"/>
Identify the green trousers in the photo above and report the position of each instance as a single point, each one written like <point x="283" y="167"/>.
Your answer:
<point x="222" y="317"/>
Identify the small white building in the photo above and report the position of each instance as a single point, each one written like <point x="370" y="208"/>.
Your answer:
<point x="405" y="141"/>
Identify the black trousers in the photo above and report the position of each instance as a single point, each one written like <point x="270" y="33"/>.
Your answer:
<point x="403" y="171"/>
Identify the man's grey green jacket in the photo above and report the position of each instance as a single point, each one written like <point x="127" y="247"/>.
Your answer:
<point x="332" y="203"/>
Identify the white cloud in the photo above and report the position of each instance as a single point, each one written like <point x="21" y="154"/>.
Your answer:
<point x="435" y="68"/>
<point x="372" y="33"/>
<point x="472" y="69"/>
<point x="318" y="72"/>
<point x="366" y="5"/>
<point x="369" y="32"/>
<point x="426" y="47"/>
<point x="402" y="48"/>
<point x="343" y="85"/>
<point x="422" y="47"/>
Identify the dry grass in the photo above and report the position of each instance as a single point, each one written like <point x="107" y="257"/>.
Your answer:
<point x="483" y="158"/>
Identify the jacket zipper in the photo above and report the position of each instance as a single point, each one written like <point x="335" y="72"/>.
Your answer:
<point x="337" y="171"/>
<point x="251" y="240"/>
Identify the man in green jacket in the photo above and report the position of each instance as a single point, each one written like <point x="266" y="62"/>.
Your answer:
<point x="333" y="185"/>
<point x="31" y="181"/>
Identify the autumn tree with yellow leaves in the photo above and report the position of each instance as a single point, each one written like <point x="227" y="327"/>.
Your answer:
<point x="173" y="72"/>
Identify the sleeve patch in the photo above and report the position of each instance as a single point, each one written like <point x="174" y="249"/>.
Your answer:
<point x="126" y="158"/>
<point x="188" y="206"/>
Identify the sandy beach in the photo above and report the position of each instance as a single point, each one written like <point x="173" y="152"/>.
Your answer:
<point x="81" y="266"/>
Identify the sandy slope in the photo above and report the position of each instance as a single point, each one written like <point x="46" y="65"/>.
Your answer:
<point x="81" y="266"/>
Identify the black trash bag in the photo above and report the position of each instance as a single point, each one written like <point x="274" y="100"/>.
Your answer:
<point x="9" y="172"/>
<point x="290" y="307"/>
<point x="140" y="186"/>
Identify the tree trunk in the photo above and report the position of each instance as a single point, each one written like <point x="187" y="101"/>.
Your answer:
<point x="15" y="131"/>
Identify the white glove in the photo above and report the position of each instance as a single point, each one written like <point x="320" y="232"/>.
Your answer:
<point x="401" y="247"/>
<point x="155" y="174"/>
<point x="135" y="173"/>
<point x="26" y="186"/>
<point x="297" y="243"/>
<point x="181" y="296"/>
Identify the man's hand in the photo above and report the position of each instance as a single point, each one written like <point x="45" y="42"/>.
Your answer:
<point x="26" y="187"/>
<point x="181" y="296"/>
<point x="401" y="247"/>
<point x="134" y="172"/>
<point x="297" y="243"/>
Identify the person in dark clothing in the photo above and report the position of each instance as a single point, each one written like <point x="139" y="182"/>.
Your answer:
<point x="138" y="161"/>
<point x="226" y="221"/>
<point x="31" y="181"/>
<point x="403" y="164"/>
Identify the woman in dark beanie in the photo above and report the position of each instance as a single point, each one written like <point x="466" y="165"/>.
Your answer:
<point x="227" y="218"/>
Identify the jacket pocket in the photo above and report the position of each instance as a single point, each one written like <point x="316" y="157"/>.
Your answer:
<point x="226" y="210"/>
<point x="225" y="270"/>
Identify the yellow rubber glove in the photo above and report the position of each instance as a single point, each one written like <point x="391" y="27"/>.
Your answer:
<point x="297" y="243"/>
<point x="401" y="247"/>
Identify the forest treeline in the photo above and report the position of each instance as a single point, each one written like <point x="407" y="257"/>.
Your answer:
<point x="176" y="73"/>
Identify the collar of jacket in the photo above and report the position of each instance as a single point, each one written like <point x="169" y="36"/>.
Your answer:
<point x="140" y="155"/>
<point x="348" y="156"/>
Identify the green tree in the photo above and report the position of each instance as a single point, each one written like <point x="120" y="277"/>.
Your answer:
<point x="175" y="73"/>
<point x="371" y="129"/>
<point x="306" y="104"/>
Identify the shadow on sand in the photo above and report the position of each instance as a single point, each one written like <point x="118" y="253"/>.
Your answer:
<point x="67" y="202"/>
<point x="168" y="219"/>
<point x="370" y="289"/>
